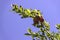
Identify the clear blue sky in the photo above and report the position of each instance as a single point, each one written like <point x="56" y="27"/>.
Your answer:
<point x="12" y="27"/>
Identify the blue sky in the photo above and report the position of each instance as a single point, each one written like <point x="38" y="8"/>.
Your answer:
<point x="12" y="27"/>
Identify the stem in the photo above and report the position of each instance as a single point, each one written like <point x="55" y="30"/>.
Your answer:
<point x="43" y="34"/>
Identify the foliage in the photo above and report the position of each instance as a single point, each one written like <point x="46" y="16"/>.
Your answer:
<point x="39" y="22"/>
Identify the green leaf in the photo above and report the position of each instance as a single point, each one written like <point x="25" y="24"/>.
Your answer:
<point x="39" y="26"/>
<point x="27" y="12"/>
<point x="47" y="25"/>
<point x="58" y="26"/>
<point x="29" y="31"/>
<point x="27" y="34"/>
<point x="48" y="34"/>
<point x="35" y="34"/>
<point x="20" y="9"/>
